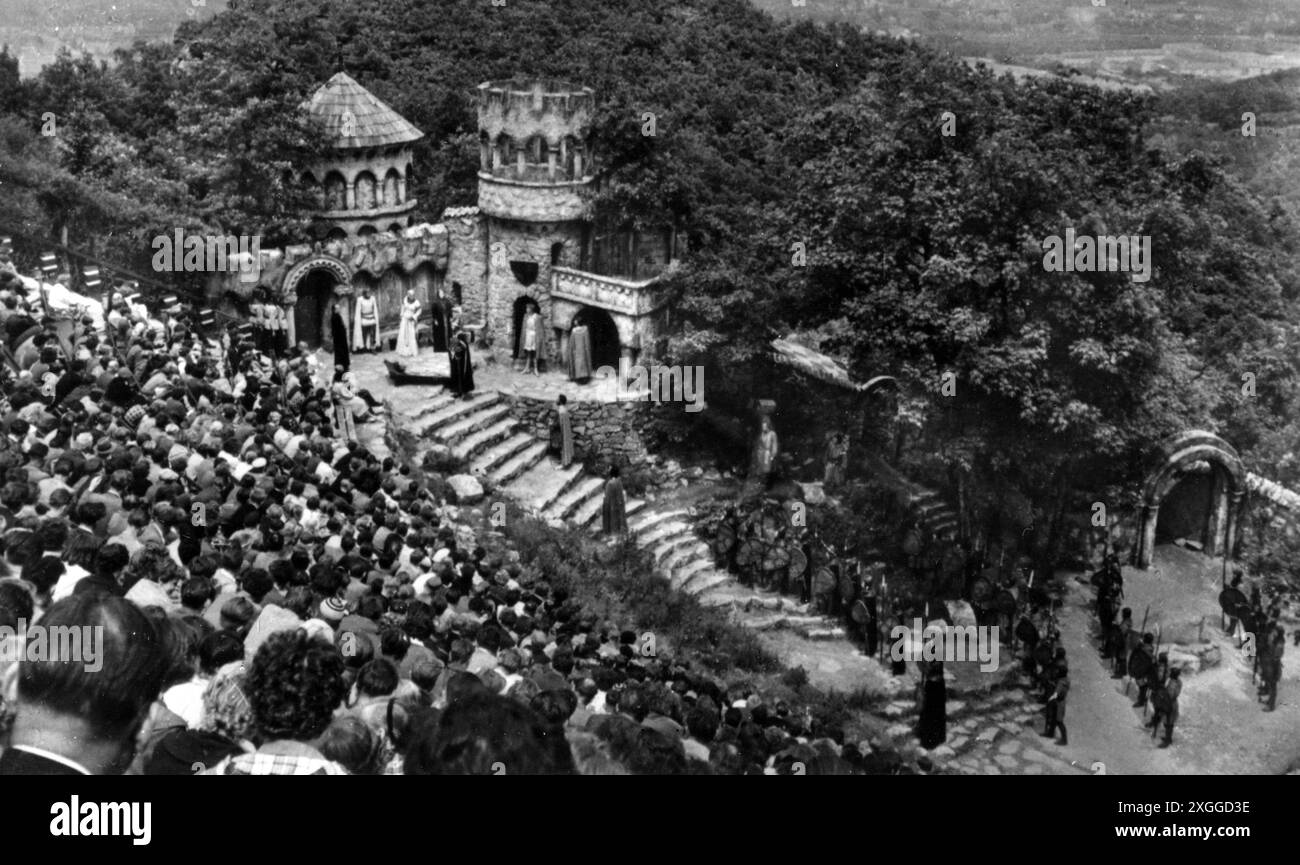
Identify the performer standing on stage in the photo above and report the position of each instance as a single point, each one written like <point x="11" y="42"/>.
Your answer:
<point x="406" y="344"/>
<point x="365" y="332"/>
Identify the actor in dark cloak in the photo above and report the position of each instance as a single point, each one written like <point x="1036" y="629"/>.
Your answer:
<point x="440" y="311"/>
<point x="932" y="727"/>
<point x="613" y="511"/>
<point x="462" y="367"/>
<point x="339" y="333"/>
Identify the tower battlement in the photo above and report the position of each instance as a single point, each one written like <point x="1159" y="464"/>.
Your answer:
<point x="536" y="133"/>
<point x="523" y="109"/>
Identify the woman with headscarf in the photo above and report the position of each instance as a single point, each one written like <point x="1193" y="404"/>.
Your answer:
<point x="339" y="333"/>
<point x="406" y="344"/>
<point x="564" y="429"/>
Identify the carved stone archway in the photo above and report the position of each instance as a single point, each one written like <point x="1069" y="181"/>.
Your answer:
<point x="289" y="287"/>
<point x="1176" y="454"/>
<point x="342" y="273"/>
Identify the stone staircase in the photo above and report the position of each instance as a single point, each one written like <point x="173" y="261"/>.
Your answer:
<point x="482" y="432"/>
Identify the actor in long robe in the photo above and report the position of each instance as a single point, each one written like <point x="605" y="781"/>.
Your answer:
<point x="766" y="448"/>
<point x="365" y="323"/>
<point x="580" y="354"/>
<point x="442" y="324"/>
<point x="406" y="344"/>
<point x="613" y="511"/>
<point x="837" y="455"/>
<point x="932" y="726"/>
<point x="532" y="339"/>
<point x="339" y="334"/>
<point x="565" y="429"/>
<point x="462" y="366"/>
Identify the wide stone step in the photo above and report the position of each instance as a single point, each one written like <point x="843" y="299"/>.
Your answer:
<point x="686" y="554"/>
<point x="458" y="408"/>
<point x="824" y="633"/>
<point x="662" y="531"/>
<point x="579" y="492"/>
<point x="704" y="581"/>
<point x="498" y="454"/>
<point x="649" y="518"/>
<point x="539" y="487"/>
<point x="438" y="403"/>
<point x="773" y="602"/>
<point x="519" y="463"/>
<point x="782" y="620"/>
<point x="474" y="444"/>
<point x="663" y="549"/>
<point x="681" y="577"/>
<point x="588" y="511"/>
<point x="461" y="428"/>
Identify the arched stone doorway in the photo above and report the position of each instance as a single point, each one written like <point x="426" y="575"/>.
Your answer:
<point x="311" y="313"/>
<point x="521" y="307"/>
<point x="1195" y="492"/>
<point x="603" y="331"/>
<point x="314" y="286"/>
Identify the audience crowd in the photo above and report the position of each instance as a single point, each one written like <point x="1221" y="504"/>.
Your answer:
<point x="274" y="598"/>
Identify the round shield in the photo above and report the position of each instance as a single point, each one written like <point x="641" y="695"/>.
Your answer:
<point x="798" y="562"/>
<point x="1005" y="602"/>
<point x="1160" y="699"/>
<point x="823" y="582"/>
<point x="776" y="558"/>
<point x="1043" y="653"/>
<point x="725" y="539"/>
<point x="860" y="613"/>
<point x="912" y="542"/>
<point x="750" y="552"/>
<point x="981" y="591"/>
<point x="1232" y="602"/>
<point x="1140" y="664"/>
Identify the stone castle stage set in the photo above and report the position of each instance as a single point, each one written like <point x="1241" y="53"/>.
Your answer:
<point x="530" y="241"/>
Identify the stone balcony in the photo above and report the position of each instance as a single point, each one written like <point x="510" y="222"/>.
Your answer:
<point x="631" y="297"/>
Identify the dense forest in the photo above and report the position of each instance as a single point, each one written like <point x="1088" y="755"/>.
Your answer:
<point x="920" y="190"/>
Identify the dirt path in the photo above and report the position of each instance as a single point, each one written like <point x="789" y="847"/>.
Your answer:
<point x="1221" y="728"/>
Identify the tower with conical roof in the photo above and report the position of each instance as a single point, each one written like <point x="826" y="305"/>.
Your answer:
<point x="362" y="183"/>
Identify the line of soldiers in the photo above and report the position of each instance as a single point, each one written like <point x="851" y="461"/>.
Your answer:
<point x="1269" y="636"/>
<point x="1134" y="652"/>
<point x="270" y="327"/>
<point x="1045" y="664"/>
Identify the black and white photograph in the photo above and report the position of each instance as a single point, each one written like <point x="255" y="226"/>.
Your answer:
<point x="652" y="387"/>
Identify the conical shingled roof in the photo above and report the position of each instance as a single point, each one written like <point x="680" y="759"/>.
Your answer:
<point x="342" y="103"/>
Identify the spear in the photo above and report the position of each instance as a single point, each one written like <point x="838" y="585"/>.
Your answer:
<point x="1128" y="674"/>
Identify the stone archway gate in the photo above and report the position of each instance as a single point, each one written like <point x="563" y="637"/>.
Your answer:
<point x="1174" y="455"/>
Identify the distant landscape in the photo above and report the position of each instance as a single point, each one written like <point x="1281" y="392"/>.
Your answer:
<point x="35" y="30"/>
<point x="1154" y="43"/>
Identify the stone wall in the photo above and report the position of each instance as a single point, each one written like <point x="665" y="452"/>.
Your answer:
<point x="526" y="242"/>
<point x="623" y="433"/>
<point x="467" y="263"/>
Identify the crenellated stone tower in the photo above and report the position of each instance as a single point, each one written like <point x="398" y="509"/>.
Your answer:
<point x="536" y="176"/>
